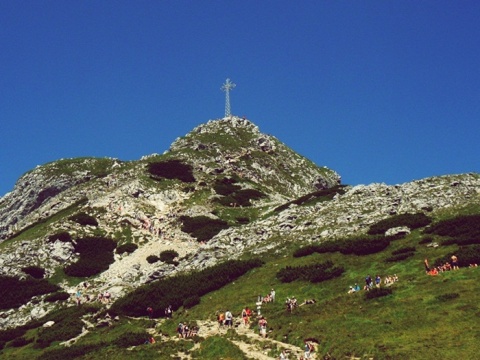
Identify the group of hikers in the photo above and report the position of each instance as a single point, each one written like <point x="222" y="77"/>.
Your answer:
<point x="103" y="297"/>
<point x="308" y="349"/>
<point x="376" y="282"/>
<point x="185" y="331"/>
<point x="447" y="266"/>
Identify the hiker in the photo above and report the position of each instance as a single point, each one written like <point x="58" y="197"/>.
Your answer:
<point x="283" y="355"/>
<point x="180" y="330"/>
<point x="78" y="297"/>
<point x="262" y="325"/>
<point x="220" y="319"/>
<point x="309" y="302"/>
<point x="244" y="317"/>
<point x="308" y="349"/>
<point x="454" y="262"/>
<point x="427" y="267"/>
<point x="228" y="319"/>
<point x="272" y="295"/>
<point x="150" y="312"/>
<point x="168" y="311"/>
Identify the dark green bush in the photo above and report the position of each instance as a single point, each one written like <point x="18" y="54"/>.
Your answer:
<point x="84" y="219"/>
<point x="462" y="230"/>
<point x="234" y="195"/>
<point x="15" y="292"/>
<point x="461" y="226"/>
<point x="11" y="334"/>
<point x="202" y="228"/>
<point x="96" y="255"/>
<point x="226" y="186"/>
<point x="34" y="271"/>
<point x="19" y="342"/>
<point x="359" y="246"/>
<point x="426" y="240"/>
<point x="399" y="257"/>
<point x="313" y="273"/>
<point x="243" y="197"/>
<point x="364" y="245"/>
<point x="325" y="247"/>
<point x="412" y="221"/>
<point x="171" y="169"/>
<point x="314" y="197"/>
<point x="378" y="292"/>
<point x="152" y="259"/>
<point x="61" y="236"/>
<point x="57" y="296"/>
<point x="126" y="248"/>
<point x="174" y="290"/>
<point x="463" y="241"/>
<point x="448" y="296"/>
<point x="403" y="250"/>
<point x="191" y="302"/>
<point x="132" y="338"/>
<point x="168" y="256"/>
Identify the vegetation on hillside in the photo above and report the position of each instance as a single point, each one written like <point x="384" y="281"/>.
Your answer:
<point x="15" y="292"/>
<point x="233" y="195"/>
<point x="96" y="255"/>
<point x="412" y="221"/>
<point x="171" y="169"/>
<point x="177" y="290"/>
<point x="203" y="228"/>
<point x="314" y="197"/>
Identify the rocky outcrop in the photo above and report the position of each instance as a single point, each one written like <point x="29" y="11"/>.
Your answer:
<point x="41" y="187"/>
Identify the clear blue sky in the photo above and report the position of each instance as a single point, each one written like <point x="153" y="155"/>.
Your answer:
<point x="380" y="91"/>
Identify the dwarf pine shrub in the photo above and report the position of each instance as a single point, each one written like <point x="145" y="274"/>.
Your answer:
<point x="378" y="292"/>
<point x="152" y="259"/>
<point x="36" y="272"/>
<point x="202" y="228"/>
<point x="175" y="290"/>
<point x="84" y="219"/>
<point x="314" y="197"/>
<point x="57" y="296"/>
<point x="412" y="221"/>
<point x="61" y="236"/>
<point x="171" y="169"/>
<point x="126" y="248"/>
<point x="96" y="255"/>
<point x="168" y="256"/>
<point x="15" y="292"/>
<point x="313" y="273"/>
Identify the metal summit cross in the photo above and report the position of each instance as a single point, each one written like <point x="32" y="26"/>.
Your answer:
<point x="227" y="87"/>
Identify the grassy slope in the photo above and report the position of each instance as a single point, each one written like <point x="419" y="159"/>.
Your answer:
<point x="412" y="323"/>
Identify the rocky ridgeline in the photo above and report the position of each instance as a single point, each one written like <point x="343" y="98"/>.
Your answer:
<point x="346" y="215"/>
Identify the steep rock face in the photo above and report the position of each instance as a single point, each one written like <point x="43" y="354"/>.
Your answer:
<point x="41" y="186"/>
